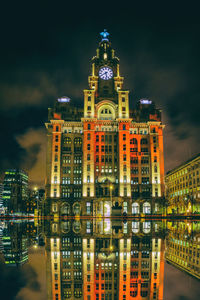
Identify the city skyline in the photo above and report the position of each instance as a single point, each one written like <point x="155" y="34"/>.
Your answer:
<point x="158" y="63"/>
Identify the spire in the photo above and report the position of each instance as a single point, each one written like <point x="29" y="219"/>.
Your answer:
<point x="104" y="34"/>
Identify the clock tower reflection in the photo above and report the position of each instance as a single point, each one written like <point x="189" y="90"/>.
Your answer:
<point x="105" y="259"/>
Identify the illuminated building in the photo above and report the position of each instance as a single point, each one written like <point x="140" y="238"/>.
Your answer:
<point x="183" y="187"/>
<point x="95" y="262"/>
<point x="15" y="244"/>
<point x="182" y="247"/>
<point x="104" y="154"/>
<point x="1" y="197"/>
<point x="15" y="194"/>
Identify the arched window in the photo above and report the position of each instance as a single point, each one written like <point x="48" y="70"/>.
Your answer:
<point x="146" y="227"/>
<point x="133" y="141"/>
<point x="76" y="226"/>
<point x="67" y="140"/>
<point x="143" y="142"/>
<point x="135" y="208"/>
<point x="65" y="209"/>
<point x="65" y="226"/>
<point x="106" y="114"/>
<point x="78" y="141"/>
<point x="135" y="227"/>
<point x="146" y="208"/>
<point x="77" y="208"/>
<point x="78" y="144"/>
<point x="133" y="293"/>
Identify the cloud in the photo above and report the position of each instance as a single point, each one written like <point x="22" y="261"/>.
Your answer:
<point x="33" y="142"/>
<point x="27" y="88"/>
<point x="12" y="280"/>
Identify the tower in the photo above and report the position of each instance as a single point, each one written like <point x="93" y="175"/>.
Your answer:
<point x="105" y="155"/>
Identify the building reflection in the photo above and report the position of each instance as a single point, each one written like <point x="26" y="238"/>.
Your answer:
<point x="15" y="244"/>
<point x="16" y="238"/>
<point x="183" y="247"/>
<point x="105" y="260"/>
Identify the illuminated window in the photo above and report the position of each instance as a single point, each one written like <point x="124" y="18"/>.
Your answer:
<point x="146" y="208"/>
<point x="135" y="209"/>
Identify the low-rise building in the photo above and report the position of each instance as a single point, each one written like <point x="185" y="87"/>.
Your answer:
<point x="183" y="187"/>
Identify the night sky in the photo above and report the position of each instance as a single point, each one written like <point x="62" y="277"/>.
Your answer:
<point x="45" y="53"/>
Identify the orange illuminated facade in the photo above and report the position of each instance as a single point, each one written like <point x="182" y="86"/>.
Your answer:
<point x="97" y="262"/>
<point x="105" y="154"/>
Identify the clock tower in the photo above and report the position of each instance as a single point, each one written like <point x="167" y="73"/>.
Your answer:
<point x="106" y="116"/>
<point x="101" y="156"/>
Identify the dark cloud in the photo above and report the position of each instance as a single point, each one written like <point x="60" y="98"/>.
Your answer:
<point x="46" y="50"/>
<point x="12" y="280"/>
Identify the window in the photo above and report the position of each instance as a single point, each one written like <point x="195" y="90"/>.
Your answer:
<point x="88" y="208"/>
<point x="135" y="208"/>
<point x="67" y="140"/>
<point x="124" y="157"/>
<point x="66" y="159"/>
<point x="66" y="170"/>
<point x="65" y="192"/>
<point x="124" y="147"/>
<point x="143" y="142"/>
<point x="88" y="136"/>
<point x="89" y="126"/>
<point x="124" y="137"/>
<point x="88" y="146"/>
<point x="124" y="127"/>
<point x="146" y="208"/>
<point x="88" y="157"/>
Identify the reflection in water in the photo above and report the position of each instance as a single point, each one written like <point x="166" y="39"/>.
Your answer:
<point x="104" y="259"/>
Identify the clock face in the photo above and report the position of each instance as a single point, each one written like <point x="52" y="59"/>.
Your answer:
<point x="105" y="73"/>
